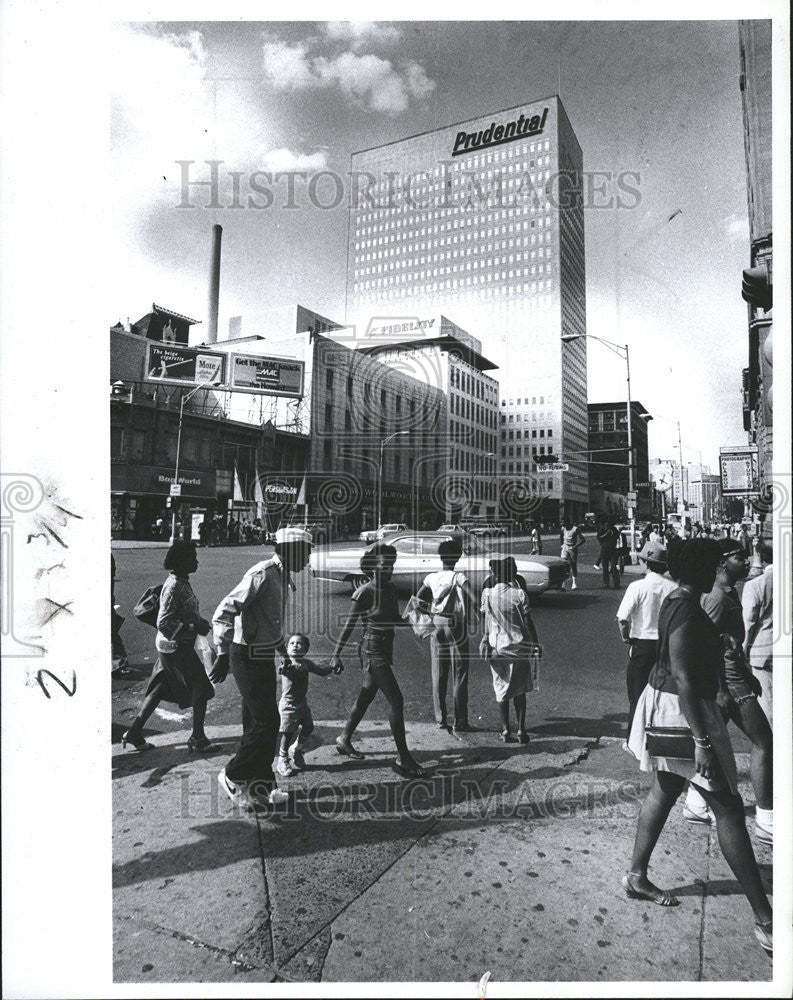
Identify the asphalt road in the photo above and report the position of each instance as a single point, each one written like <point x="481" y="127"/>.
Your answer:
<point x="582" y="681"/>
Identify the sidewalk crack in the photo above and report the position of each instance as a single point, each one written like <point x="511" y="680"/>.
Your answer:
<point x="584" y="754"/>
<point x="705" y="882"/>
<point x="267" y="899"/>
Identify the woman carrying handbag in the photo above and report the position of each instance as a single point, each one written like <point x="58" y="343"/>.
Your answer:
<point x="680" y="700"/>
<point x="510" y="643"/>
<point x="178" y="675"/>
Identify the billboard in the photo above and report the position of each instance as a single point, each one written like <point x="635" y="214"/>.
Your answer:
<point x="184" y="365"/>
<point x="271" y="376"/>
<point x="738" y="469"/>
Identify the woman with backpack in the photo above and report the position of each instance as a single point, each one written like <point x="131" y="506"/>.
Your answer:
<point x="447" y="596"/>
<point x="178" y="675"/>
<point x="510" y="643"/>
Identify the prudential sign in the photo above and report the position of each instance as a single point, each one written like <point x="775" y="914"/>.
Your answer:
<point x="498" y="133"/>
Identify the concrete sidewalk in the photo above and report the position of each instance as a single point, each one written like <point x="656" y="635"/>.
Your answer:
<point x="507" y="860"/>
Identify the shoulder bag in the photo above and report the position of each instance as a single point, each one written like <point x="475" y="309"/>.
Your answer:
<point x="674" y="742"/>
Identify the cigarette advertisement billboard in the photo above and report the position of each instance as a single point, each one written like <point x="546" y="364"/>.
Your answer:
<point x="184" y="365"/>
<point x="271" y="376"/>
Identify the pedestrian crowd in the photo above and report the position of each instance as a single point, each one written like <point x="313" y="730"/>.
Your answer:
<point x="699" y="656"/>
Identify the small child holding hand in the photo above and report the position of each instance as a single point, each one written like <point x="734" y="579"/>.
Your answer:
<point x="293" y="706"/>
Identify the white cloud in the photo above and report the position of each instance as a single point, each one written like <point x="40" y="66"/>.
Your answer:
<point x="362" y="34"/>
<point x="737" y="228"/>
<point x="287" y="66"/>
<point x="369" y="81"/>
<point x="282" y="160"/>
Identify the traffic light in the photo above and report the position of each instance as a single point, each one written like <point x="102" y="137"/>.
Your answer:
<point x="756" y="287"/>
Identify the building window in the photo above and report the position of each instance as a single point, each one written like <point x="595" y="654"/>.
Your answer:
<point x="116" y="441"/>
<point x="328" y="416"/>
<point x="329" y="380"/>
<point x="138" y="445"/>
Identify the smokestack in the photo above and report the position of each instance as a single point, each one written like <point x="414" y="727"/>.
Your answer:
<point x="214" y="285"/>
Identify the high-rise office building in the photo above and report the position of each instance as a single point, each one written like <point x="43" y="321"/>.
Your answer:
<point x="483" y="221"/>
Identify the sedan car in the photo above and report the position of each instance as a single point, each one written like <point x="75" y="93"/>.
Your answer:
<point x="417" y="555"/>
<point x="485" y="531"/>
<point x="377" y="534"/>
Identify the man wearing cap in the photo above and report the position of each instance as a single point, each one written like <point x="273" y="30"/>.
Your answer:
<point x="637" y="617"/>
<point x="248" y="630"/>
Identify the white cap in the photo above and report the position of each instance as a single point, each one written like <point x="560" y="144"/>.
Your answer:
<point x="292" y="534"/>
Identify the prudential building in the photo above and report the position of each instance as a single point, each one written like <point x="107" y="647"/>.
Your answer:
<point x="483" y="221"/>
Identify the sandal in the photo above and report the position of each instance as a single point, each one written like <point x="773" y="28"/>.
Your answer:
<point x="663" y="897"/>
<point x="414" y="771"/>
<point x="202" y="744"/>
<point x="346" y="749"/>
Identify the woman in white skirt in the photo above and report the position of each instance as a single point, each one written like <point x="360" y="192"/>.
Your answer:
<point x="511" y="640"/>
<point x="682" y="692"/>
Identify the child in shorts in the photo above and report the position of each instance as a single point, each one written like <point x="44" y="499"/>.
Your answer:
<point x="296" y="720"/>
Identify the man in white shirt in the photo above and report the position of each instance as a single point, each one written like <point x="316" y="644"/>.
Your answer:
<point x="637" y="617"/>
<point x="248" y="628"/>
<point x="757" y="601"/>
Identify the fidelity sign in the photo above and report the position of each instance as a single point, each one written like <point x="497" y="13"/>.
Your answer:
<point x="495" y="135"/>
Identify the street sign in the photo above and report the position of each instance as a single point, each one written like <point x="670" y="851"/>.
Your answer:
<point x="176" y="490"/>
<point x="551" y="466"/>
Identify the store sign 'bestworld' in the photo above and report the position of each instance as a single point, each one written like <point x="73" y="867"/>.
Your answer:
<point x="495" y="135"/>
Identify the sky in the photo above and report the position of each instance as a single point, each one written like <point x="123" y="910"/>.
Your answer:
<point x="657" y="98"/>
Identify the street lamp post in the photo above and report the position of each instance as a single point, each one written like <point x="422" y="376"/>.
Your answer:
<point x="184" y="398"/>
<point x="383" y="443"/>
<point x="622" y="351"/>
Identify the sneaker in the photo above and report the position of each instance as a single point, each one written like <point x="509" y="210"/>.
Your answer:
<point x="233" y="791"/>
<point x="765" y="936"/>
<point x="278" y="796"/>
<point x="284" y="767"/>
<point x="298" y="760"/>
<point x="764" y="835"/>
<point x="697" y="819"/>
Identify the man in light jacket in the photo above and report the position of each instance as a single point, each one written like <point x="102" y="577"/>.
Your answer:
<point x="248" y="630"/>
<point x="757" y="601"/>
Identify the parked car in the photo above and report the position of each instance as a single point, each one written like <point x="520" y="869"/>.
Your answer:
<point x="417" y="555"/>
<point x="453" y="529"/>
<point x="485" y="531"/>
<point x="389" y="529"/>
<point x="376" y="534"/>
